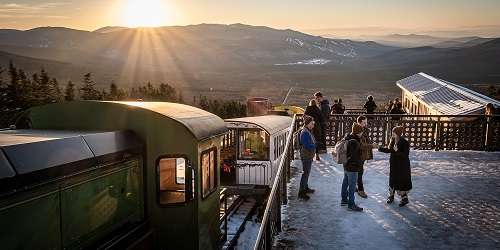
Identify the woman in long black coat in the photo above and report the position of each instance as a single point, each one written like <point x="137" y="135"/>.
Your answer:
<point x="313" y="110"/>
<point x="400" y="172"/>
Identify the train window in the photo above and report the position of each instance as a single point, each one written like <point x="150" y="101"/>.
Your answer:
<point x="208" y="171"/>
<point x="172" y="180"/>
<point x="253" y="145"/>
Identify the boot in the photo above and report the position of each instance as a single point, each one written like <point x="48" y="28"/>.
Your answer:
<point x="403" y="202"/>
<point x="362" y="194"/>
<point x="355" y="208"/>
<point x="309" y="190"/>
<point x="317" y="157"/>
<point x="303" y="196"/>
<point x="390" y="199"/>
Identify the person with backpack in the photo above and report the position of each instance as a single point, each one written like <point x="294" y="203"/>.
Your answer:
<point x="307" y="144"/>
<point x="400" y="172"/>
<point x="366" y="152"/>
<point x="352" y="166"/>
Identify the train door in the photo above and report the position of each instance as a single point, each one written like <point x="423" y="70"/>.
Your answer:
<point x="175" y="215"/>
<point x="208" y="198"/>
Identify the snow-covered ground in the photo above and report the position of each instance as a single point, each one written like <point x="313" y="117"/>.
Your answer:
<point x="454" y="204"/>
<point x="316" y="61"/>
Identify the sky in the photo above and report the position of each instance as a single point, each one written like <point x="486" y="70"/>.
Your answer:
<point x="294" y="14"/>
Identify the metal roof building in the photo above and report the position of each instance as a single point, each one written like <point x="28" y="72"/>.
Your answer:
<point x="427" y="95"/>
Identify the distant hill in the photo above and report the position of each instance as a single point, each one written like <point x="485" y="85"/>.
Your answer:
<point x="407" y="41"/>
<point x="462" y="42"/>
<point x="416" y="40"/>
<point x="473" y="64"/>
<point x="241" y="55"/>
<point x="108" y="29"/>
<point x="182" y="53"/>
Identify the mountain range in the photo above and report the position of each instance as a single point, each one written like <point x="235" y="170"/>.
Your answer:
<point x="238" y="55"/>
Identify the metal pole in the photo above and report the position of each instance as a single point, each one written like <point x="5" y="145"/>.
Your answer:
<point x="489" y="134"/>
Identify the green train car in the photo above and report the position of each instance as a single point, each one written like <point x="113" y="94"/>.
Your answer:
<point x="111" y="175"/>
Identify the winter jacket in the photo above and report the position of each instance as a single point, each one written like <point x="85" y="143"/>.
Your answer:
<point x="308" y="144"/>
<point x="325" y="110"/>
<point x="366" y="146"/>
<point x="400" y="172"/>
<point x="370" y="106"/>
<point x="315" y="113"/>
<point x="397" y="111"/>
<point x="354" y="162"/>
<point x="338" y="108"/>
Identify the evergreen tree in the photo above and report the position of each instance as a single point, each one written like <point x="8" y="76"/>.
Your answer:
<point x="115" y="93"/>
<point x="69" y="92"/>
<point x="88" y="91"/>
<point x="12" y="97"/>
<point x="44" y="89"/>
<point x="55" y="91"/>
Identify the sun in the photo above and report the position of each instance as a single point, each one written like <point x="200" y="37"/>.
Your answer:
<point x="145" y="13"/>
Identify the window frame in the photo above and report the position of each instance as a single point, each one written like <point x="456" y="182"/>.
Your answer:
<point x="188" y="179"/>
<point x="268" y="139"/>
<point x="216" y="172"/>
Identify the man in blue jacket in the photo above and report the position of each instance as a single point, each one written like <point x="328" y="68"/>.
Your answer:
<point x="307" y="150"/>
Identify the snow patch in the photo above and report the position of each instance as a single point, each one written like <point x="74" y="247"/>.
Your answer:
<point x="315" y="61"/>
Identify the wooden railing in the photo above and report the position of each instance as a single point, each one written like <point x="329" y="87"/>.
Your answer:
<point x="436" y="132"/>
<point x="271" y="221"/>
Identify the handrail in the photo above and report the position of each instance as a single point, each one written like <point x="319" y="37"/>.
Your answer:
<point x="270" y="200"/>
<point x="428" y="132"/>
<point x="412" y="115"/>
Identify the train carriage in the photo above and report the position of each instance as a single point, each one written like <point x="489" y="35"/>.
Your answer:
<point x="111" y="174"/>
<point x="254" y="148"/>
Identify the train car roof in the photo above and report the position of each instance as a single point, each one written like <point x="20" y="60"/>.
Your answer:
<point x="39" y="155"/>
<point x="270" y="123"/>
<point x="200" y="123"/>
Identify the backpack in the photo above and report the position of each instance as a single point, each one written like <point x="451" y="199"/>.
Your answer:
<point x="296" y="139"/>
<point x="340" y="152"/>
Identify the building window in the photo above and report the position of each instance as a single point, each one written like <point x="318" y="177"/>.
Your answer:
<point x="172" y="180"/>
<point x="208" y="172"/>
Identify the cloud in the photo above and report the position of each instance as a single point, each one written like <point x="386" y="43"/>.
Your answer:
<point x="41" y="10"/>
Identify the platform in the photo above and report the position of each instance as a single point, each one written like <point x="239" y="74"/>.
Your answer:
<point x="454" y="204"/>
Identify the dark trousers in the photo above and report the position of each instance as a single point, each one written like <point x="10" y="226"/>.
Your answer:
<point x="306" y="168"/>
<point x="360" y="179"/>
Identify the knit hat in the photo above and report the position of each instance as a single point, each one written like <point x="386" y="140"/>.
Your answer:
<point x="398" y="130"/>
<point x="356" y="129"/>
<point x="307" y="119"/>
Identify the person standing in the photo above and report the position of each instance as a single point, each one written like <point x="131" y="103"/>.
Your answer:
<point x="388" y="107"/>
<point x="337" y="107"/>
<point x="324" y="106"/>
<point x="370" y="105"/>
<point x="352" y="167"/>
<point x="366" y="153"/>
<point x="313" y="110"/>
<point x="307" y="150"/>
<point x="400" y="172"/>
<point x="397" y="109"/>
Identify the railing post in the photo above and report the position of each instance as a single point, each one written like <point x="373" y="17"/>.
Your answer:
<point x="489" y="134"/>
<point x="437" y="137"/>
<point x="278" y="213"/>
